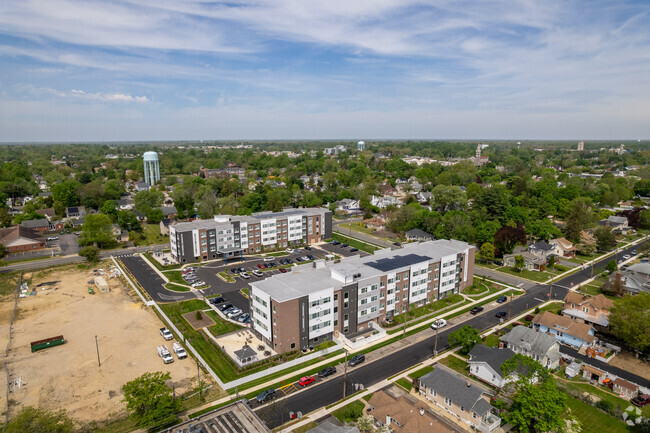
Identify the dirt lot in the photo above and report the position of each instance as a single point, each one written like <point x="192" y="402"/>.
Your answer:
<point x="68" y="376"/>
<point x="630" y="363"/>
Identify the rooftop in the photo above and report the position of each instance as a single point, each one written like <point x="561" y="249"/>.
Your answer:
<point x="538" y="343"/>
<point x="564" y="325"/>
<point x="237" y="414"/>
<point x="460" y="390"/>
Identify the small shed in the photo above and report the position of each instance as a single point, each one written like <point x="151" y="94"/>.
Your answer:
<point x="101" y="284"/>
<point x="572" y="370"/>
<point x="626" y="389"/>
<point x="246" y="355"/>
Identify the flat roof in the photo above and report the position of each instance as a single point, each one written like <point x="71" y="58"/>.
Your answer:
<point x="234" y="418"/>
<point x="301" y="281"/>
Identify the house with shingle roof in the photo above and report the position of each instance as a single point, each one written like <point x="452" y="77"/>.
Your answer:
<point x="618" y="224"/>
<point x="583" y="308"/>
<point x="485" y="364"/>
<point x="19" y="239"/>
<point x="542" y="347"/>
<point x="634" y="280"/>
<point x="565" y="247"/>
<point x="40" y="225"/>
<point x="565" y="329"/>
<point x="461" y="397"/>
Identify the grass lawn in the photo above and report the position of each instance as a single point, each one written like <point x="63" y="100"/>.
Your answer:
<point x="593" y="420"/>
<point x="421" y="372"/>
<point x="455" y="363"/>
<point x="221" y="326"/>
<point x="487" y="265"/>
<point x="350" y="412"/>
<point x="476" y="289"/>
<point x="554" y="308"/>
<point x="593" y="288"/>
<point x="525" y="273"/>
<point x="278" y="254"/>
<point x="152" y="235"/>
<point x="357" y="228"/>
<point x="602" y="393"/>
<point x="414" y="313"/>
<point x="175" y="277"/>
<point x="176" y="288"/>
<point x="491" y="340"/>
<point x="407" y="385"/>
<point x="369" y="248"/>
<point x="227" y="277"/>
<point x="305" y="428"/>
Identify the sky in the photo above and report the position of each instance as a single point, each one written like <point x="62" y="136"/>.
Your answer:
<point x="86" y="70"/>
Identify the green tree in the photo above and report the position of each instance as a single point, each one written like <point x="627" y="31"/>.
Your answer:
<point x="520" y="262"/>
<point x="150" y="401"/>
<point x="97" y="230"/>
<point x="605" y="239"/>
<point x="31" y="419"/>
<point x="128" y="220"/>
<point x="446" y="198"/>
<point x="3" y="251"/>
<point x="466" y="337"/>
<point x="154" y="216"/>
<point x="146" y="200"/>
<point x="644" y="219"/>
<point x="507" y="237"/>
<point x="611" y="266"/>
<point x="487" y="252"/>
<point x="91" y="253"/>
<point x="366" y="424"/>
<point x="576" y="221"/>
<point x="551" y="261"/>
<point x="629" y="320"/>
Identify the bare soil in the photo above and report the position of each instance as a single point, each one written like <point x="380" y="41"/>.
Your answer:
<point x="629" y="362"/>
<point x="68" y="376"/>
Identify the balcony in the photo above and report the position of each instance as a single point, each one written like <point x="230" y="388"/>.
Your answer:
<point x="489" y="423"/>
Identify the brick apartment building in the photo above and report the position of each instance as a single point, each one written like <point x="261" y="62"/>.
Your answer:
<point x="229" y="236"/>
<point x="310" y="304"/>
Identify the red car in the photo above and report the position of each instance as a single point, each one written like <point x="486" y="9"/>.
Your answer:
<point x="283" y="270"/>
<point x="306" y="380"/>
<point x="640" y="400"/>
<point x="261" y="266"/>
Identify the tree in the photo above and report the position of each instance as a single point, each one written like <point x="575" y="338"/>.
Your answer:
<point x="3" y="250"/>
<point x="31" y="419"/>
<point x="551" y="261"/>
<point x="576" y="221"/>
<point x="150" y="401"/>
<point x="128" y="220"/>
<point x="487" y="252"/>
<point x="611" y="266"/>
<point x="447" y="198"/>
<point x="507" y="237"/>
<point x="520" y="262"/>
<point x="644" y="219"/>
<point x="365" y="424"/>
<point x="97" y="230"/>
<point x="154" y="216"/>
<point x="91" y="253"/>
<point x="629" y="320"/>
<point x="605" y="239"/>
<point x="466" y="337"/>
<point x="149" y="199"/>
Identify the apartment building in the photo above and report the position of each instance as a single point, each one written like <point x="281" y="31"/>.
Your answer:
<point x="305" y="307"/>
<point x="235" y="235"/>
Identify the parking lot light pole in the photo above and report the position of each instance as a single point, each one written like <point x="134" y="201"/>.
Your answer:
<point x="510" y="303"/>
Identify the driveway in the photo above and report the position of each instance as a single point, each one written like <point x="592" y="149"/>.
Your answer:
<point x="69" y="244"/>
<point x="151" y="282"/>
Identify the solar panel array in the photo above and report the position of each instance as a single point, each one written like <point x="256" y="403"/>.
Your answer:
<point x="396" y="262"/>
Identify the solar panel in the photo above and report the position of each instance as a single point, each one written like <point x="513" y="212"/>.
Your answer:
<point x="388" y="264"/>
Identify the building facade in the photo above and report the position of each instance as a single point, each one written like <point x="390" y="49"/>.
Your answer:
<point x="228" y="235"/>
<point x="311" y="304"/>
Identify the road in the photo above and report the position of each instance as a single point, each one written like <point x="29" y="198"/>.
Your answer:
<point x="151" y="281"/>
<point x="375" y="370"/>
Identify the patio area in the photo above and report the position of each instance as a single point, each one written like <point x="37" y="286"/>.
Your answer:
<point x="244" y="347"/>
<point x="164" y="258"/>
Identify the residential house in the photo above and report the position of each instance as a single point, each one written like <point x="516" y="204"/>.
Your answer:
<point x="424" y="198"/>
<point x="565" y="247"/>
<point x="618" y="224"/>
<point x="387" y="189"/>
<point x="544" y="250"/>
<point x="47" y="213"/>
<point x="41" y="225"/>
<point x="624" y="388"/>
<point x="75" y="212"/>
<point x="375" y="223"/>
<point x="460" y="397"/>
<point x="540" y="346"/>
<point x="385" y="201"/>
<point x="77" y="222"/>
<point x="587" y="309"/>
<point x="565" y="329"/>
<point x="125" y="204"/>
<point x="418" y="235"/>
<point x="329" y="427"/>
<point x="403" y="413"/>
<point x="164" y="226"/>
<point x="141" y="186"/>
<point x="348" y="205"/>
<point x="633" y="280"/>
<point x="531" y="261"/>
<point x="20" y="239"/>
<point x="485" y="364"/>
<point x="169" y="212"/>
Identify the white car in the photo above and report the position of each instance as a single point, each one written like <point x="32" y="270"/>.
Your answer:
<point x="245" y="275"/>
<point x="257" y="273"/>
<point x="233" y="313"/>
<point x="437" y="324"/>
<point x="198" y="284"/>
<point x="53" y="238"/>
<point x="627" y="257"/>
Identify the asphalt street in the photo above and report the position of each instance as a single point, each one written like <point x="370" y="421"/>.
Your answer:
<point x="151" y="281"/>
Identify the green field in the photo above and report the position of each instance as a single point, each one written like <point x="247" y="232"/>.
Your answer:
<point x="421" y="372"/>
<point x="455" y="363"/>
<point x="404" y="383"/>
<point x="152" y="235"/>
<point x="350" y="412"/>
<point x="221" y="326"/>
<point x="176" y="288"/>
<point x="593" y="420"/>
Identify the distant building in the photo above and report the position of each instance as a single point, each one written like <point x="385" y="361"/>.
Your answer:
<point x="581" y="146"/>
<point x="335" y="150"/>
<point x="151" y="169"/>
<point x="19" y="239"/>
<point x="361" y="146"/>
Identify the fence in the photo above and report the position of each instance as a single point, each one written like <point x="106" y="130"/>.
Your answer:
<point x="11" y="331"/>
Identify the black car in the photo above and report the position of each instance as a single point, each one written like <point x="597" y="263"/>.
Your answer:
<point x="354" y="250"/>
<point x="502" y="299"/>
<point x="224" y="307"/>
<point x="476" y="310"/>
<point x="283" y="262"/>
<point x="217" y="300"/>
<point x="344" y="245"/>
<point x="308" y="248"/>
<point x="327" y="371"/>
<point x="397" y="244"/>
<point x="242" y="269"/>
<point x="501" y="314"/>
<point x="272" y="265"/>
<point x="299" y="259"/>
<point x="288" y="261"/>
<point x="265" y="395"/>
<point x="234" y="270"/>
<point x="357" y="359"/>
<point x="310" y="257"/>
<point x="335" y="242"/>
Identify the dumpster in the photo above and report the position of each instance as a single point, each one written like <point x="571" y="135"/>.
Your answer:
<point x="48" y="342"/>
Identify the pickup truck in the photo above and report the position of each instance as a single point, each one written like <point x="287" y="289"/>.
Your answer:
<point x="163" y="352"/>
<point x="179" y="351"/>
<point x="166" y="334"/>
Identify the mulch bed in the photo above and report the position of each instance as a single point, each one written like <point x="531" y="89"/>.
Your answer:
<point x="198" y="324"/>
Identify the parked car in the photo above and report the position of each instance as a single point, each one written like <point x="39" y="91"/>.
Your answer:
<point x="354" y="250"/>
<point x="217" y="300"/>
<point x="245" y="275"/>
<point x="242" y="317"/>
<point x="476" y="310"/>
<point x="288" y="261"/>
<point x="627" y="257"/>
<point x="397" y="244"/>
<point x="283" y="261"/>
<point x="290" y="250"/>
<point x="198" y="284"/>
<point x="335" y="243"/>
<point x="233" y="313"/>
<point x="163" y="352"/>
<point x="242" y="269"/>
<point x="166" y="334"/>
<point x="224" y="307"/>
<point x="308" y="248"/>
<point x="179" y="351"/>
<point x="53" y="238"/>
<point x="437" y="324"/>
<point x="641" y="400"/>
<point x="299" y="259"/>
<point x="501" y="314"/>
<point x="357" y="359"/>
<point x="272" y="265"/>
<point x="265" y="395"/>
<point x="283" y="270"/>
<point x="234" y="270"/>
<point x="310" y="257"/>
<point x="327" y="371"/>
<point x="634" y="252"/>
<point x="268" y="259"/>
<point x="261" y="266"/>
<point x="304" y="381"/>
<point x="502" y="299"/>
<point x="344" y="245"/>
<point x="257" y="273"/>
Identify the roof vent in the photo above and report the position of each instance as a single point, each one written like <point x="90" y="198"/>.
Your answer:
<point x="421" y="412"/>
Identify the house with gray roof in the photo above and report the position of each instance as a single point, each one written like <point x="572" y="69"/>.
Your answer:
<point x="634" y="280"/>
<point x="618" y="224"/>
<point x="542" y="347"/>
<point x="485" y="364"/>
<point x="329" y="427"/>
<point x="40" y="225"/>
<point x="461" y="397"/>
<point x="246" y="355"/>
<point x="418" y="235"/>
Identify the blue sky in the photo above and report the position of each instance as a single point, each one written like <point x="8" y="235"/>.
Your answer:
<point x="75" y="70"/>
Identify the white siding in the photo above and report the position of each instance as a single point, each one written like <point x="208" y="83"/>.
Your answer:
<point x="321" y="304"/>
<point x="259" y="310"/>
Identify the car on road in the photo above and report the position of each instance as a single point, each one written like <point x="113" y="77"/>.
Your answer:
<point x="224" y="307"/>
<point x="304" y="381"/>
<point x="476" y="310"/>
<point x="283" y="270"/>
<point x="641" y="400"/>
<point x="257" y="273"/>
<point x="53" y="238"/>
<point x="633" y="252"/>
<point x="502" y="299"/>
<point x="627" y="257"/>
<point x="327" y="371"/>
<point x="245" y="275"/>
<point x="437" y="324"/>
<point x="243" y="317"/>
<point x="217" y="300"/>
<point x="308" y="248"/>
<point x="233" y="313"/>
<point x="500" y="314"/>
<point x="357" y="359"/>
<point x="354" y="250"/>
<point x="335" y="243"/>
<point x="234" y="270"/>
<point x="265" y="395"/>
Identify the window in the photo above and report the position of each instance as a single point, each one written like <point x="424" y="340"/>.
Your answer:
<point x="448" y="401"/>
<point x="293" y="345"/>
<point x="474" y="415"/>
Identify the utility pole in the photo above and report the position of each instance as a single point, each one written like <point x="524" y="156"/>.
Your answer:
<point x="435" y="346"/>
<point x="99" y="363"/>
<point x="345" y="373"/>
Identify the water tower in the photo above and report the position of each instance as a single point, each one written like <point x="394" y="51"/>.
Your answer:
<point x="151" y="170"/>
<point x="361" y="146"/>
